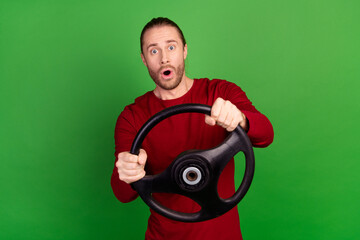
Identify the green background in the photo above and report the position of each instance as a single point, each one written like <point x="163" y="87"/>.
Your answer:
<point x="68" y="68"/>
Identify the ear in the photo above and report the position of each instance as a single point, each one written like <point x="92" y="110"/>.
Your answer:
<point x="143" y="59"/>
<point x="185" y="51"/>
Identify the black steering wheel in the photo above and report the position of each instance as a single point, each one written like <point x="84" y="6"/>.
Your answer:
<point x="195" y="173"/>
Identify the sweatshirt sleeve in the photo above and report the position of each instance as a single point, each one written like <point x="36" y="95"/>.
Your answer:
<point x="260" y="131"/>
<point x="125" y="133"/>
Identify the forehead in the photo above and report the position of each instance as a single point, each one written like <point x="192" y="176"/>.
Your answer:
<point x="160" y="34"/>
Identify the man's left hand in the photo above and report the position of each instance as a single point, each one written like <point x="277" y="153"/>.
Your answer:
<point x="226" y="115"/>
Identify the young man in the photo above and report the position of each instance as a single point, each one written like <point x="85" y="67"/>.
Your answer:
<point x="163" y="52"/>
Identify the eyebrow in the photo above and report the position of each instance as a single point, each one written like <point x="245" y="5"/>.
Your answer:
<point x="155" y="44"/>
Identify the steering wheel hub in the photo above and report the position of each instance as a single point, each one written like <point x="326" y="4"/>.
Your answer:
<point x="191" y="174"/>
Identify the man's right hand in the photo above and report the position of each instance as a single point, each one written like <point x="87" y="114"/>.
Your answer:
<point x="131" y="167"/>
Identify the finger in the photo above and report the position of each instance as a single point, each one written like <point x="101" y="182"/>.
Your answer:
<point x="137" y="177"/>
<point x="216" y="108"/>
<point x="209" y="120"/>
<point x="239" y="118"/>
<point x="142" y="157"/>
<point x="118" y="163"/>
<point x="130" y="172"/>
<point x="243" y="121"/>
<point x="130" y="158"/>
<point x="224" y="112"/>
<point x="131" y="179"/>
<point x="128" y="163"/>
<point x="230" y="117"/>
<point x="124" y="172"/>
<point x="233" y="125"/>
<point x="122" y="158"/>
<point x="126" y="157"/>
<point x="131" y="166"/>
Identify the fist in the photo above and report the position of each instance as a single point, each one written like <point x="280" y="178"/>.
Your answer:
<point x="131" y="167"/>
<point x="226" y="115"/>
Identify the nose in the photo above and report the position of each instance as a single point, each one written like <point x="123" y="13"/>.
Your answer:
<point x="164" y="58"/>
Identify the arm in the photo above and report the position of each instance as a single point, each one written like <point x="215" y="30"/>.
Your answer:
<point x="128" y="168"/>
<point x="233" y="107"/>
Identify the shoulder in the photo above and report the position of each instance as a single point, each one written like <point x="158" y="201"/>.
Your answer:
<point x="220" y="86"/>
<point x="140" y="102"/>
<point x="143" y="100"/>
<point x="139" y="111"/>
<point x="214" y="82"/>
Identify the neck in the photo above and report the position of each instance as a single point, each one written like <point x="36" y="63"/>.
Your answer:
<point x="184" y="86"/>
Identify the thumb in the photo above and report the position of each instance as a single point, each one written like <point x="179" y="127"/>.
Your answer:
<point x="209" y="120"/>
<point x="142" y="157"/>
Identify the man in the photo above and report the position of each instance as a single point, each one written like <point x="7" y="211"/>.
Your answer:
<point x="163" y="52"/>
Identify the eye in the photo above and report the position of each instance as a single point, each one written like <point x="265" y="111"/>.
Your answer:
<point x="171" y="47"/>
<point x="154" y="51"/>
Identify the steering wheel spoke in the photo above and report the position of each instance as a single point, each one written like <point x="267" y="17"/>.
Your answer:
<point x="210" y="202"/>
<point x="157" y="183"/>
<point x="219" y="156"/>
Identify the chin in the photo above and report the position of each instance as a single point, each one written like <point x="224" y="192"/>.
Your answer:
<point x="169" y="84"/>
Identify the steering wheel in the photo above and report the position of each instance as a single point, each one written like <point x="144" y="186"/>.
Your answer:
<point x="195" y="173"/>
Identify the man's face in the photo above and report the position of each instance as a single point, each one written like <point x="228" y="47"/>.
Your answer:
<point x="164" y="55"/>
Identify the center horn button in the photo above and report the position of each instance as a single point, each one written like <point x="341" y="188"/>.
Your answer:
<point x="192" y="174"/>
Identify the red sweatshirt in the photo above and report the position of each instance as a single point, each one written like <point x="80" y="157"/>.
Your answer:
<point x="179" y="133"/>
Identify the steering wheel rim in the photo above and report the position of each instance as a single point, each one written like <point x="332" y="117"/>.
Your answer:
<point x="209" y="162"/>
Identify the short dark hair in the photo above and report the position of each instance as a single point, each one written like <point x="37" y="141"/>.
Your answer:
<point x="160" y="21"/>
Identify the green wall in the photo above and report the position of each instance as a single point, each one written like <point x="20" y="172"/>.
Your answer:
<point x="68" y="68"/>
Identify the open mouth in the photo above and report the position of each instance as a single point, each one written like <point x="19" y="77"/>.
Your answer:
<point x="167" y="74"/>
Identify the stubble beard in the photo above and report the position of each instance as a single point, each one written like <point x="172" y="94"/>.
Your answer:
<point x="171" y="83"/>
